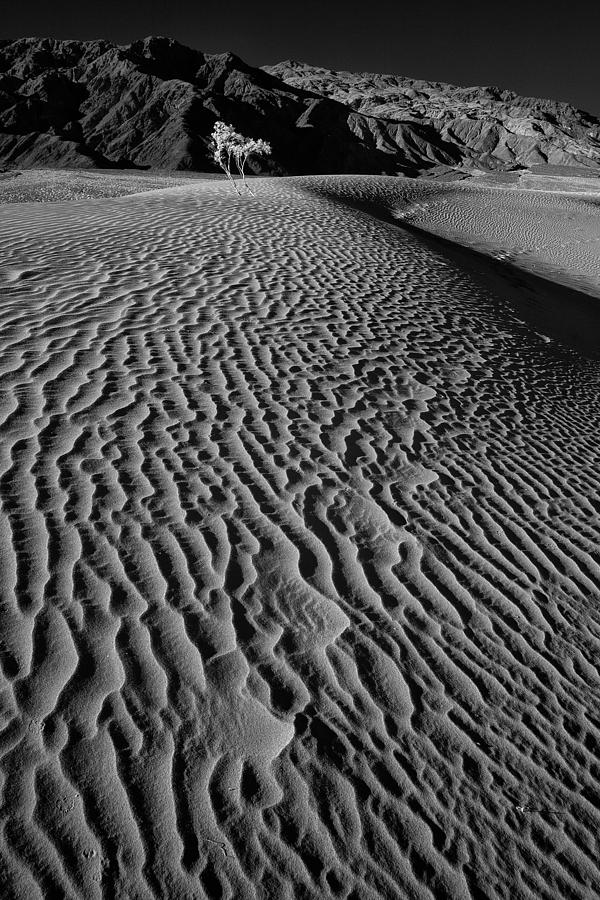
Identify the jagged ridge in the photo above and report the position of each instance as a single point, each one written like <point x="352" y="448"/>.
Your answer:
<point x="490" y="127"/>
<point x="153" y="103"/>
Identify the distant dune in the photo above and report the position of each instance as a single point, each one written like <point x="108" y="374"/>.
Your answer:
<point x="299" y="538"/>
<point x="153" y="104"/>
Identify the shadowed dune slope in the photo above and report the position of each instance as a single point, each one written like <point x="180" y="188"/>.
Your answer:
<point x="544" y="225"/>
<point x="299" y="539"/>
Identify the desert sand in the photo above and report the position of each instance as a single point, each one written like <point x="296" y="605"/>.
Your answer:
<point x="299" y="539"/>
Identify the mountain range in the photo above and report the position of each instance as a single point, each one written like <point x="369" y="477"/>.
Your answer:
<point x="153" y="103"/>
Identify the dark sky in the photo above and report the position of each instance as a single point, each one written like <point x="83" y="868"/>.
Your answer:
<point x="537" y="49"/>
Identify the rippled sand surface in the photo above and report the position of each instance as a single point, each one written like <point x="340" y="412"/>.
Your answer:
<point x="546" y="225"/>
<point x="299" y="537"/>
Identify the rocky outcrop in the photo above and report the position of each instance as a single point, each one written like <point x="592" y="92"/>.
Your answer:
<point x="491" y="128"/>
<point x="153" y="103"/>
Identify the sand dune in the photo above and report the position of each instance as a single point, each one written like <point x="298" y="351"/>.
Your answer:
<point x="299" y="545"/>
<point x="548" y="226"/>
<point x="59" y="185"/>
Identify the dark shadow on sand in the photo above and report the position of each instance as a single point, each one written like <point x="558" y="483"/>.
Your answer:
<point x="561" y="312"/>
<point x="569" y="316"/>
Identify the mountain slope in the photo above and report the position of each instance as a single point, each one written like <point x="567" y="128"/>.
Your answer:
<point x="153" y="103"/>
<point x="491" y="127"/>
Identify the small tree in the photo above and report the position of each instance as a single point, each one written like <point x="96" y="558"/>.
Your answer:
<point x="244" y="151"/>
<point x="227" y="145"/>
<point x="224" y="140"/>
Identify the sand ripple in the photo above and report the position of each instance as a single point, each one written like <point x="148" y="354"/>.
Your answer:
<point x="300" y="580"/>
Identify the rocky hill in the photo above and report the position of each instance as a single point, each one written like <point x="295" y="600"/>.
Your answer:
<point x="153" y="103"/>
<point x="490" y="127"/>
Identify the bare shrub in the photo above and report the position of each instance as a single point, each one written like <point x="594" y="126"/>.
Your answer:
<point x="228" y="146"/>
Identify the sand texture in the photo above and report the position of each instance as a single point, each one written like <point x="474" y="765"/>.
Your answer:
<point x="299" y="545"/>
<point x="548" y="226"/>
<point x="54" y="185"/>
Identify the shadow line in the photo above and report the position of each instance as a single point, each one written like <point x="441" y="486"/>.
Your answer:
<point x="569" y="316"/>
